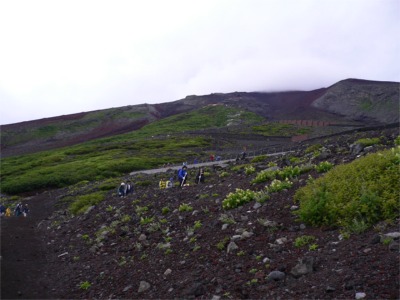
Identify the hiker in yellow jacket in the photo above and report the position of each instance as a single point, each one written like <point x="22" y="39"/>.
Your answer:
<point x="8" y="212"/>
<point x="162" y="184"/>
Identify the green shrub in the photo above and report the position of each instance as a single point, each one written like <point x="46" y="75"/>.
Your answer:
<point x="294" y="160"/>
<point x="262" y="196"/>
<point x="126" y="218"/>
<point x="259" y="158"/>
<point x="146" y="220"/>
<point x="365" y="190"/>
<point x="289" y="172"/>
<point x="82" y="203"/>
<point x="313" y="148"/>
<point x="277" y="185"/>
<point x="222" y="244"/>
<point x="223" y="174"/>
<point x="85" y="285"/>
<point x="397" y="141"/>
<point x="238" y="198"/>
<point x="141" y="210"/>
<point x="165" y="210"/>
<point x="264" y="176"/>
<point x="249" y="170"/>
<point x="368" y="141"/>
<point x="323" y="167"/>
<point x="303" y="240"/>
<point x="185" y="207"/>
<point x="197" y="225"/>
<point x="357" y="226"/>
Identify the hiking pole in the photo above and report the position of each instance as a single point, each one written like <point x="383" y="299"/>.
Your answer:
<point x="183" y="180"/>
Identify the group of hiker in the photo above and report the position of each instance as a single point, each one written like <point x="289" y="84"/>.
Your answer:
<point x="183" y="174"/>
<point x="18" y="210"/>
<point x="182" y="178"/>
<point x="126" y="188"/>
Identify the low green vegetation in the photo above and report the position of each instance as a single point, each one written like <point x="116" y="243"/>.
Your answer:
<point x="185" y="207"/>
<point x="313" y="148"/>
<point x="323" y="167"/>
<point x="241" y="197"/>
<point x="90" y="121"/>
<point x="288" y="172"/>
<point x="397" y="141"/>
<point x="278" y="185"/>
<point x="368" y="141"/>
<point x="279" y="129"/>
<point x="85" y="285"/>
<point x="355" y="195"/>
<point x="83" y="202"/>
<point x="91" y="161"/>
<point x="111" y="157"/>
<point x="304" y="240"/>
<point x="206" y="117"/>
<point x="238" y="198"/>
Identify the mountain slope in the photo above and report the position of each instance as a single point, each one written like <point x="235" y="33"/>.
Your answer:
<point x="358" y="102"/>
<point x="362" y="100"/>
<point x="181" y="243"/>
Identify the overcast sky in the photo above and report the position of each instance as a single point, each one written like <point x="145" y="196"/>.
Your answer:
<point x="60" y="57"/>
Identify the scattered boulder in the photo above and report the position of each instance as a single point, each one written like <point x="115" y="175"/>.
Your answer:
<point x="276" y="276"/>
<point x="305" y="266"/>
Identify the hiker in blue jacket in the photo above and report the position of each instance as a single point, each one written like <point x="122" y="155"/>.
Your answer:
<point x="182" y="175"/>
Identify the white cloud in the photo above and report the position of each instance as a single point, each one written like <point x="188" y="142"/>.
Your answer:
<point x="62" y="57"/>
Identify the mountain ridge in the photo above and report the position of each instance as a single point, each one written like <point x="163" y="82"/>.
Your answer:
<point x="357" y="101"/>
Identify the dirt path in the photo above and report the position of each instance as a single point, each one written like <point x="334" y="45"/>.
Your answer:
<point x="23" y="256"/>
<point x="198" y="165"/>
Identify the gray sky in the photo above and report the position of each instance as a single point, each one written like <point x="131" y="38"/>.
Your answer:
<point x="60" y="57"/>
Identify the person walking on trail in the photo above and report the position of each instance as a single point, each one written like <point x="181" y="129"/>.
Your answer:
<point x="8" y="212"/>
<point x="25" y="210"/>
<point x="122" y="190"/>
<point x="182" y="176"/>
<point x="200" y="176"/>
<point x="18" y="209"/>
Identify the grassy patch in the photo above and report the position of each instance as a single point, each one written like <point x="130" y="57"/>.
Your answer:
<point x="83" y="202"/>
<point x="278" y="129"/>
<point x="91" y="161"/>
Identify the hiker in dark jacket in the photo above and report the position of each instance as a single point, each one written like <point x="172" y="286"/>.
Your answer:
<point x="122" y="190"/>
<point x="200" y="176"/>
<point x="129" y="188"/>
<point x="18" y="209"/>
<point x="25" y="210"/>
<point x="182" y="175"/>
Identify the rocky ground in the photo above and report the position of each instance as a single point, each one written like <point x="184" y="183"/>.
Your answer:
<point x="148" y="246"/>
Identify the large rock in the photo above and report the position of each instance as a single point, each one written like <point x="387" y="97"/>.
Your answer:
<point x="305" y="266"/>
